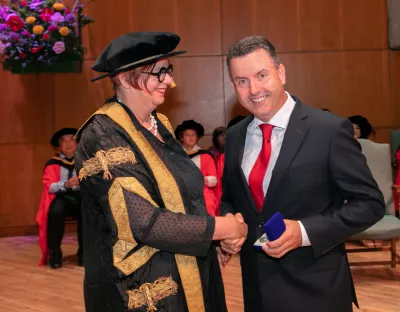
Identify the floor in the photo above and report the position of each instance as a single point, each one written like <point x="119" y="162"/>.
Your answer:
<point x="26" y="287"/>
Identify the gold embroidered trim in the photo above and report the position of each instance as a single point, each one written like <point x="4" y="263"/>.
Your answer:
<point x="150" y="293"/>
<point x="126" y="242"/>
<point x="135" y="260"/>
<point x="164" y="120"/>
<point x="106" y="160"/>
<point x="187" y="265"/>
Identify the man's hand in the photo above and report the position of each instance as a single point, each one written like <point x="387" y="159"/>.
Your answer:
<point x="72" y="182"/>
<point x="290" y="239"/>
<point x="233" y="246"/>
<point x="223" y="256"/>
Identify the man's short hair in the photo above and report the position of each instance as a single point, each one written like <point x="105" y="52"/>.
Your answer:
<point x="248" y="45"/>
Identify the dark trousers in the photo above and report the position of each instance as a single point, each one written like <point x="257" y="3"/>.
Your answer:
<point x="62" y="206"/>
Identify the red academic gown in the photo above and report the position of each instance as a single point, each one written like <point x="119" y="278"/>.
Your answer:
<point x="51" y="174"/>
<point x="220" y="169"/>
<point x="208" y="169"/>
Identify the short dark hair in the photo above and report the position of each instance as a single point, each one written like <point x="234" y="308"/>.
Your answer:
<point x="365" y="127"/>
<point x="216" y="133"/>
<point x="248" y="45"/>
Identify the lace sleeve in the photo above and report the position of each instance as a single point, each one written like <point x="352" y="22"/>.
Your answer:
<point x="168" y="231"/>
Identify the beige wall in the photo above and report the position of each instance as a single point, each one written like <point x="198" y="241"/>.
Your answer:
<point x="335" y="53"/>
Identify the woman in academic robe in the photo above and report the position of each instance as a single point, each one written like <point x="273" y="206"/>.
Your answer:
<point x="147" y="235"/>
<point x="189" y="133"/>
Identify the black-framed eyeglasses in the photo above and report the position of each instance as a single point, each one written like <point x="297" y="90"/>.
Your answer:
<point x="162" y="72"/>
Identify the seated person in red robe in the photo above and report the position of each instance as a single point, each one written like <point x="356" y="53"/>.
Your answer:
<point x="60" y="198"/>
<point x="188" y="133"/>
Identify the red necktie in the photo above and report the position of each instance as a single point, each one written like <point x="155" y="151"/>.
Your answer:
<point x="259" y="170"/>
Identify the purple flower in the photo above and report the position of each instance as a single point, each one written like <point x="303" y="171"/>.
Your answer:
<point x="14" y="36"/>
<point x="35" y="4"/>
<point x="4" y="11"/>
<point x="59" y="47"/>
<point x="3" y="27"/>
<point x="70" y="18"/>
<point x="57" y="18"/>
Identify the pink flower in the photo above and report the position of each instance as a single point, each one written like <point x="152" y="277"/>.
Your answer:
<point x="53" y="28"/>
<point x="46" y="15"/>
<point x="46" y="37"/>
<point x="57" y="18"/>
<point x="59" y="47"/>
<point x="25" y="33"/>
<point x="23" y="3"/>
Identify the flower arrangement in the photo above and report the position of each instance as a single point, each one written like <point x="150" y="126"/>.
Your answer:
<point x="37" y="33"/>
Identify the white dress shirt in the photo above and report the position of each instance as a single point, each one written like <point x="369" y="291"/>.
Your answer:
<point x="253" y="144"/>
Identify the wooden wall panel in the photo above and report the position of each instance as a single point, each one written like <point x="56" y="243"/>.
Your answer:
<point x="382" y="135"/>
<point x="205" y="141"/>
<point x="112" y="19"/>
<point x="364" y="24"/>
<point x="237" y="21"/>
<point x="153" y="15"/>
<point x="282" y="32"/>
<point x="26" y="109"/>
<point x="21" y="168"/>
<point x="294" y="69"/>
<point x="199" y="94"/>
<point x="320" y="74"/>
<point x="261" y="17"/>
<point x="319" y="25"/>
<point x="76" y="98"/>
<point x="199" y="26"/>
<point x="366" y="87"/>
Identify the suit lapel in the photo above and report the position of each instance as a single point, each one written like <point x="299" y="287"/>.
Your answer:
<point x="294" y="136"/>
<point x="239" y="157"/>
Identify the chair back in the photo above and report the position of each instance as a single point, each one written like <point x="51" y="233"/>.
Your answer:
<point x="379" y="162"/>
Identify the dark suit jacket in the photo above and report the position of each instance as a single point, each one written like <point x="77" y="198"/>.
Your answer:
<point x="319" y="166"/>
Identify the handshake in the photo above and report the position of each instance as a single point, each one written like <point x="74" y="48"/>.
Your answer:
<point x="231" y="230"/>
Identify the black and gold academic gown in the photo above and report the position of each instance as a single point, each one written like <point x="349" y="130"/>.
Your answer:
<point x="146" y="232"/>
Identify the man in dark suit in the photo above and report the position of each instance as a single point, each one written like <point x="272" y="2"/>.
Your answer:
<point x="304" y="163"/>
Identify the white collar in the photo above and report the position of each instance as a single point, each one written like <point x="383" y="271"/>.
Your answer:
<point x="281" y="118"/>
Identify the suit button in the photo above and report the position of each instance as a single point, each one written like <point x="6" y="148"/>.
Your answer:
<point x="171" y="153"/>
